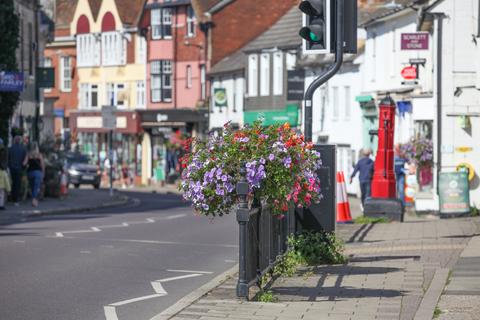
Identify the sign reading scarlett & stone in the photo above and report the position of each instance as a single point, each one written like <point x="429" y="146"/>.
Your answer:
<point x="414" y="41"/>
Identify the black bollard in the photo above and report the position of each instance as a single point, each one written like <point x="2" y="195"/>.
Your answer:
<point x="242" y="219"/>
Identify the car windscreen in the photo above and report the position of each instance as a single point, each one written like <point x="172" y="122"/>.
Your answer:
<point x="78" y="159"/>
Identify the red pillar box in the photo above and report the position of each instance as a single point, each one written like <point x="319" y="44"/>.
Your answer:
<point x="383" y="183"/>
<point x="383" y="202"/>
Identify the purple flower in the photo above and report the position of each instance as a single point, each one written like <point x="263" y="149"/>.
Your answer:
<point x="287" y="162"/>
<point x="224" y="178"/>
<point x="271" y="157"/>
<point x="262" y="161"/>
<point x="219" y="191"/>
<point x="244" y="139"/>
<point x="205" y="206"/>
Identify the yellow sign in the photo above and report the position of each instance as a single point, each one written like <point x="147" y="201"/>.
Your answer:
<point x="464" y="149"/>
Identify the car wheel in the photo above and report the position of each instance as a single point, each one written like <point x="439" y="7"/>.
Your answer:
<point x="77" y="186"/>
<point x="96" y="186"/>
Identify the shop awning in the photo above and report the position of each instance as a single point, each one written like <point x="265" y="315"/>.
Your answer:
<point x="270" y="117"/>
<point x="363" y="99"/>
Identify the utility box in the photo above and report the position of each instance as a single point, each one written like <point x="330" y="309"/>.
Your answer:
<point x="322" y="216"/>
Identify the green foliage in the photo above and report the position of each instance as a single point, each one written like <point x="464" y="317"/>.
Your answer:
<point x="314" y="248"/>
<point x="9" y="39"/>
<point x="437" y="312"/>
<point x="474" y="211"/>
<point x="310" y="248"/>
<point x="367" y="220"/>
<point x="266" y="296"/>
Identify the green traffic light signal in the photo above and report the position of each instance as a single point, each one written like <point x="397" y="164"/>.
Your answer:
<point x="313" y="36"/>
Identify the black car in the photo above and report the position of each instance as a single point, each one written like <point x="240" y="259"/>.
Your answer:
<point x="81" y="171"/>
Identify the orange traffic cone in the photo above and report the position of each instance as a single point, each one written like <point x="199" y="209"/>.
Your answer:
<point x="63" y="185"/>
<point x="343" y="207"/>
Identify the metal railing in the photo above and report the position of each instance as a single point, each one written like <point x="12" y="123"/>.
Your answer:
<point x="263" y="239"/>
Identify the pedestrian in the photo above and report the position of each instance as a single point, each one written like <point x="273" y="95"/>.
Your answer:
<point x="365" y="167"/>
<point x="125" y="176"/>
<point x="399" y="161"/>
<point x="35" y="171"/>
<point x="16" y="157"/>
<point x="5" y="186"/>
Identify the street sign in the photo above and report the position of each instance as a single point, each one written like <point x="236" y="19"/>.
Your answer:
<point x="295" y="85"/>
<point x="420" y="61"/>
<point x="414" y="41"/>
<point x="409" y="73"/>
<point x="109" y="120"/>
<point x="11" y="81"/>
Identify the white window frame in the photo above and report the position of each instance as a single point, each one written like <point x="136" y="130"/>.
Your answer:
<point x="278" y="73"/>
<point x="112" y="93"/>
<point x="88" y="47"/>
<point x="167" y="20"/>
<point x="253" y="75"/>
<point x="239" y="93"/>
<point x="141" y="50"/>
<point x="203" y="81"/>
<point x="188" y="76"/>
<point x="347" y="103"/>
<point x="265" y="74"/>
<point x="290" y="61"/>
<point x="66" y="74"/>
<point x="141" y="95"/>
<point x="190" y="22"/>
<point x="47" y="62"/>
<point x="156" y="22"/>
<point x="86" y="96"/>
<point x="335" y="103"/>
<point x="161" y="74"/>
<point x="113" y="49"/>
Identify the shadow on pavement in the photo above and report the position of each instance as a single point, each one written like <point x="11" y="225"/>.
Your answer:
<point x="332" y="293"/>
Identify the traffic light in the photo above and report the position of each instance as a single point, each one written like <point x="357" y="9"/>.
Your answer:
<point x="316" y="26"/>
<point x="320" y="26"/>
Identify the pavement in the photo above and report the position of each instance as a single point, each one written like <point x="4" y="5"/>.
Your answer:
<point x="77" y="200"/>
<point x="395" y="271"/>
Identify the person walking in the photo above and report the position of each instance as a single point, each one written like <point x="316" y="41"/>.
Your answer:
<point x="35" y="171"/>
<point x="365" y="167"/>
<point x="399" y="167"/>
<point x="16" y="157"/>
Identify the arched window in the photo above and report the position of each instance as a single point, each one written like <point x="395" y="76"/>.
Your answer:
<point x="108" y="22"/>
<point x="83" y="26"/>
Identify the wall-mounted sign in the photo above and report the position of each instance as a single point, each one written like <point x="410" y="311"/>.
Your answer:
<point x="295" y="85"/>
<point x="45" y="77"/>
<point x="220" y="97"/>
<point x="162" y="117"/>
<point x="409" y="73"/>
<point x="464" y="149"/>
<point x="108" y="117"/>
<point x="420" y="61"/>
<point x="414" y="41"/>
<point x="11" y="81"/>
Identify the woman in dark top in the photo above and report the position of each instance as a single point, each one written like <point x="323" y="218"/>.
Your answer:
<point x="35" y="171"/>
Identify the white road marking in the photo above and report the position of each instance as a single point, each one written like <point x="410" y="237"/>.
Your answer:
<point x="85" y="251"/>
<point x="190" y="271"/>
<point x="179" y="277"/>
<point x="230" y="261"/>
<point x="176" y="216"/>
<point x="59" y="235"/>
<point x="151" y="220"/>
<point x="110" y="313"/>
<point x="123" y="225"/>
<point x="124" y="302"/>
<point x="95" y="229"/>
<point x="157" y="286"/>
<point x="18" y="241"/>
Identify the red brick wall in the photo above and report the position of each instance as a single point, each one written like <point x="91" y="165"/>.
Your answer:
<point x="67" y="101"/>
<point x="190" y="52"/>
<point x="131" y="49"/>
<point x="242" y="21"/>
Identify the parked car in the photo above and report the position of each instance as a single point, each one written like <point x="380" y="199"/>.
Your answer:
<point x="80" y="170"/>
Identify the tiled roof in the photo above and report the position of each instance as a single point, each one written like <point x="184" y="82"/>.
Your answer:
<point x="64" y="13"/>
<point x="95" y="7"/>
<point x="231" y="63"/>
<point x="370" y="13"/>
<point x="130" y="10"/>
<point x="282" y="34"/>
<point x="202" y="6"/>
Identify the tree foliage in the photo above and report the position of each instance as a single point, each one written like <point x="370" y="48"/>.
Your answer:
<point x="9" y="42"/>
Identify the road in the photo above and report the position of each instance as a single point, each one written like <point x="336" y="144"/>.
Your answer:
<point x="126" y="263"/>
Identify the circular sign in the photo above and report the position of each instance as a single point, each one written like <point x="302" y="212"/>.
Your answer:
<point x="409" y="73"/>
<point x="220" y="97"/>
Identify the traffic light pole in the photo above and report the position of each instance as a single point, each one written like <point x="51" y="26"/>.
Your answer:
<point x="332" y="70"/>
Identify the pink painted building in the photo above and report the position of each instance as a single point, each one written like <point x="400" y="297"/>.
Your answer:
<point x="175" y="81"/>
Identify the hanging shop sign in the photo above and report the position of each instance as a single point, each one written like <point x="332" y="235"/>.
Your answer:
<point x="11" y="81"/>
<point x="414" y="41"/>
<point x="288" y="115"/>
<point x="220" y="97"/>
<point x="295" y="85"/>
<point x="409" y="73"/>
<point x="454" y="193"/>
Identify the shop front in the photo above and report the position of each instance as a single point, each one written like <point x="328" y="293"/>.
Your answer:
<point x="90" y="138"/>
<point x="164" y="134"/>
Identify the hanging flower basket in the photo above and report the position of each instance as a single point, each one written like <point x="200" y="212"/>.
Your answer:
<point x="279" y="168"/>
